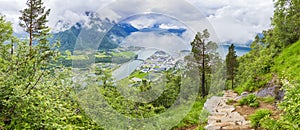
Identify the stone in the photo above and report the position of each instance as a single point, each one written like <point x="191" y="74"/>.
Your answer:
<point x="222" y="116"/>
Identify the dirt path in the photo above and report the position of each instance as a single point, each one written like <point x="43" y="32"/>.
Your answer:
<point x="222" y="116"/>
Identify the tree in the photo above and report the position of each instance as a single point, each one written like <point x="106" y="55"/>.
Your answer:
<point x="202" y="51"/>
<point x="35" y="99"/>
<point x="231" y="64"/>
<point x="105" y="76"/>
<point x="286" y="23"/>
<point x="33" y="20"/>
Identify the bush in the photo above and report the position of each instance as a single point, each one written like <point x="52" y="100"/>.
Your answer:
<point x="291" y="105"/>
<point x="203" y="117"/>
<point x="258" y="116"/>
<point x="249" y="100"/>
<point x="255" y="104"/>
<point x="270" y="124"/>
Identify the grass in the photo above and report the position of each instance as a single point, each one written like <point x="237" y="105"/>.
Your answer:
<point x="268" y="99"/>
<point x="287" y="63"/>
<point x="195" y="116"/>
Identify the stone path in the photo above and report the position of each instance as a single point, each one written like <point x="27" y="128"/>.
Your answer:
<point x="222" y="116"/>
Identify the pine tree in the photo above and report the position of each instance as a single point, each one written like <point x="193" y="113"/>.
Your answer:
<point x="231" y="64"/>
<point x="201" y="50"/>
<point x="33" y="20"/>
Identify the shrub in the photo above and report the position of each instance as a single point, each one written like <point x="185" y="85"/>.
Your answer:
<point x="270" y="124"/>
<point x="203" y="116"/>
<point x="258" y="116"/>
<point x="255" y="104"/>
<point x="249" y="100"/>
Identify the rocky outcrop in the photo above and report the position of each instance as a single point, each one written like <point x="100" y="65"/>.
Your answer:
<point x="272" y="88"/>
<point x="222" y="116"/>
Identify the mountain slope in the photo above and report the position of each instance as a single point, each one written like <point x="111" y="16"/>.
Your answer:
<point x="89" y="34"/>
<point x="287" y="64"/>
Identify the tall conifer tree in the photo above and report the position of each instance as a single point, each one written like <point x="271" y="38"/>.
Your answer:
<point x="231" y="64"/>
<point x="201" y="49"/>
<point x="33" y="20"/>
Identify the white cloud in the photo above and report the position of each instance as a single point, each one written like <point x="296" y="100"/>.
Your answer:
<point x="169" y="43"/>
<point x="169" y="26"/>
<point x="143" y="22"/>
<point x="235" y="20"/>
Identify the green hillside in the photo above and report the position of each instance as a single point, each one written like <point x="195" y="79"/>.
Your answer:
<point x="287" y="63"/>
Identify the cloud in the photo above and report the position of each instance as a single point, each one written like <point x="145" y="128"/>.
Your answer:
<point x="143" y="22"/>
<point x="169" y="26"/>
<point x="235" y="20"/>
<point x="169" y="43"/>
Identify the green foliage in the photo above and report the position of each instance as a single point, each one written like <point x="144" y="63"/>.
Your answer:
<point x="33" y="20"/>
<point x="249" y="100"/>
<point x="258" y="116"/>
<point x="254" y="68"/>
<point x="268" y="99"/>
<point x="196" y="115"/>
<point x="291" y="105"/>
<point x="231" y="64"/>
<point x="255" y="104"/>
<point x="204" y="55"/>
<point x="118" y="99"/>
<point x="285" y="23"/>
<point x="230" y="101"/>
<point x="287" y="63"/>
<point x="203" y="117"/>
<point x="270" y="124"/>
<point x="36" y="93"/>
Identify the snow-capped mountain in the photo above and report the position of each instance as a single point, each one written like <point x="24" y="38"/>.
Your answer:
<point x="91" y="29"/>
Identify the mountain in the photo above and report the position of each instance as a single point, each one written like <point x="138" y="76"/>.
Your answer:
<point x="88" y="34"/>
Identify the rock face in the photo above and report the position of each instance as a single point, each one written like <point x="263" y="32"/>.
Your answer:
<point x="222" y="116"/>
<point x="272" y="88"/>
<point x="273" y="91"/>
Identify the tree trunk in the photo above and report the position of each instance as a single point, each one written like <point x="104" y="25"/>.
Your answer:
<point x="12" y="48"/>
<point x="232" y="82"/>
<point x="203" y="71"/>
<point x="30" y="26"/>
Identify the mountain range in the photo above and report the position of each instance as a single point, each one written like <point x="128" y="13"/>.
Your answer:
<point x="100" y="33"/>
<point x="108" y="34"/>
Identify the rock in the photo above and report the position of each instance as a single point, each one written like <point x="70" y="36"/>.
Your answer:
<point x="273" y="91"/>
<point x="280" y="95"/>
<point x="212" y="127"/>
<point x="244" y="94"/>
<point x="266" y="92"/>
<point x="236" y="127"/>
<point x="222" y="115"/>
<point x="211" y="103"/>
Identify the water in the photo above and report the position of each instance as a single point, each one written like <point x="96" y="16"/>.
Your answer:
<point x="127" y="68"/>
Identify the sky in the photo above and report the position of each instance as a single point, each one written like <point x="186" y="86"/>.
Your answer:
<point x="229" y="20"/>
